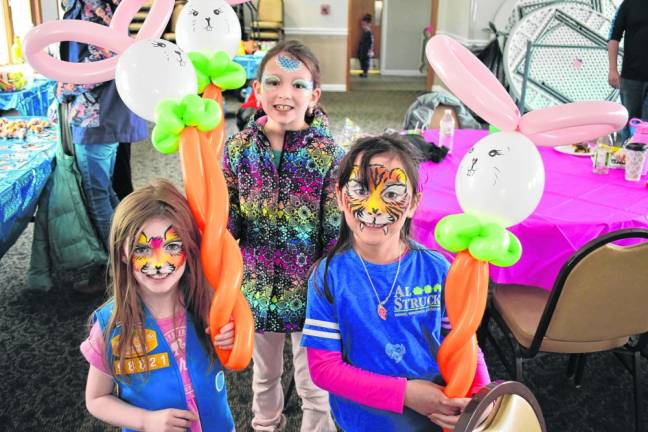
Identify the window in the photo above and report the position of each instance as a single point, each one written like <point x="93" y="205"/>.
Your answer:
<point x="18" y="17"/>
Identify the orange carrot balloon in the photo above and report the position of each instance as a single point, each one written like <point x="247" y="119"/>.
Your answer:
<point x="200" y="154"/>
<point x="466" y="291"/>
<point x="221" y="255"/>
<point x="193" y="173"/>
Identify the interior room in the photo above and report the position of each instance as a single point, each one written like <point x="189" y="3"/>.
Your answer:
<point x="498" y="227"/>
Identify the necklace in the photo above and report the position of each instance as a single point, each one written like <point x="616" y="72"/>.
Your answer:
<point x="381" y="309"/>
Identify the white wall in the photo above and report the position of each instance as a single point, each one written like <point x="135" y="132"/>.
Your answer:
<point x="326" y="35"/>
<point x="302" y="16"/>
<point x="49" y="8"/>
<point x="465" y="19"/>
<point x="402" y="37"/>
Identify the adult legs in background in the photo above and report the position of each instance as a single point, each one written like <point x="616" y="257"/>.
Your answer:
<point x="315" y="401"/>
<point x="122" y="181"/>
<point x="633" y="97"/>
<point x="267" y="399"/>
<point x="96" y="163"/>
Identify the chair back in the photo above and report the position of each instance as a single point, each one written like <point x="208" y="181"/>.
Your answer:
<point x="601" y="293"/>
<point x="270" y="10"/>
<point x="516" y="410"/>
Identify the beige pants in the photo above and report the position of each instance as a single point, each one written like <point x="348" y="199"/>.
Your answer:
<point x="268" y="399"/>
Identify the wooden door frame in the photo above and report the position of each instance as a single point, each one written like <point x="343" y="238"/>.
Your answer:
<point x="434" y="17"/>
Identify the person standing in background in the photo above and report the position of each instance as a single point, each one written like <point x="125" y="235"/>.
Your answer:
<point x="366" y="45"/>
<point x="631" y="21"/>
<point x="98" y="118"/>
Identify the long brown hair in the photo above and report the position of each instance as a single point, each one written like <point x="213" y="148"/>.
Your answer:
<point x="302" y="53"/>
<point x="368" y="147"/>
<point x="160" y="199"/>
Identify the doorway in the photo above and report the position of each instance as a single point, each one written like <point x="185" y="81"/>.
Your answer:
<point x="399" y="34"/>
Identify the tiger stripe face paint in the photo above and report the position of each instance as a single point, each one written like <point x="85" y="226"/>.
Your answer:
<point x="158" y="256"/>
<point x="380" y="200"/>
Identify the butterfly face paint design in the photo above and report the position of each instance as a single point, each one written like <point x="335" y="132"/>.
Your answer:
<point x="158" y="257"/>
<point x="288" y="64"/>
<point x="380" y="200"/>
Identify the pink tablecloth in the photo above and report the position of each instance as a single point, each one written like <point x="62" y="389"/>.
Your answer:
<point x="577" y="206"/>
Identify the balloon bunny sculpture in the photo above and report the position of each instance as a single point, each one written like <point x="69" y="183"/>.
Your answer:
<point x="499" y="184"/>
<point x="157" y="80"/>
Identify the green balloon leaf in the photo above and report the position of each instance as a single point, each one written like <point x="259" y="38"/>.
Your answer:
<point x="219" y="69"/>
<point x="485" y="241"/>
<point x="172" y="117"/>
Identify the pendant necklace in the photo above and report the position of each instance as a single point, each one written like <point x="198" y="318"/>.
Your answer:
<point x="381" y="309"/>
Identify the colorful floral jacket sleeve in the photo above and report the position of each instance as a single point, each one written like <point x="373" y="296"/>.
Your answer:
<point x="97" y="11"/>
<point x="235" y="220"/>
<point x="330" y="216"/>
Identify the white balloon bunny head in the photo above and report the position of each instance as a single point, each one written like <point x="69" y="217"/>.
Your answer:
<point x="207" y="26"/>
<point x="150" y="71"/>
<point x="501" y="179"/>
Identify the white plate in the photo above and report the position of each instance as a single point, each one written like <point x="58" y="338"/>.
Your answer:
<point x="571" y="150"/>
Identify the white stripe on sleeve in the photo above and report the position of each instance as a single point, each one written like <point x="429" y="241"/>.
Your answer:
<point x="320" y="323"/>
<point x="322" y="334"/>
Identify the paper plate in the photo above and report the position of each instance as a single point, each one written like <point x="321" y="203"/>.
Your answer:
<point x="571" y="150"/>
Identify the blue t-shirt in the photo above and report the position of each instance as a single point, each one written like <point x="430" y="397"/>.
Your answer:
<point x="403" y="345"/>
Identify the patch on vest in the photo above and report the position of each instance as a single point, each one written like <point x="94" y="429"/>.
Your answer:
<point x="151" y="342"/>
<point x="138" y="364"/>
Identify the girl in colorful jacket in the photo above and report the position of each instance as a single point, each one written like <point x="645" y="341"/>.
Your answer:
<point x="152" y="365"/>
<point x="280" y="173"/>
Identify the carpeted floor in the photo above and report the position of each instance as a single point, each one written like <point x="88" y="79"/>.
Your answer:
<point x="42" y="374"/>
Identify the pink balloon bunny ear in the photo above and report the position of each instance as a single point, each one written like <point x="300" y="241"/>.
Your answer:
<point x="115" y="38"/>
<point x="472" y="82"/>
<point x="573" y="123"/>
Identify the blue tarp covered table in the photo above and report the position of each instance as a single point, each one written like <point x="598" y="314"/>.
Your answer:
<point x="33" y="100"/>
<point x="250" y="63"/>
<point x="25" y="166"/>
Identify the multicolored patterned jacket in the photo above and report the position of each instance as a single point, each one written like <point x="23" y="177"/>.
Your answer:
<point x="285" y="218"/>
<point x="83" y="100"/>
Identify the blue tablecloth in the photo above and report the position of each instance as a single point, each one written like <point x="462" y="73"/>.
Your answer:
<point x="25" y="166"/>
<point x="250" y="63"/>
<point x="33" y="100"/>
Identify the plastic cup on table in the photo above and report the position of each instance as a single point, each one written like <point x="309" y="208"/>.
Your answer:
<point x="634" y="161"/>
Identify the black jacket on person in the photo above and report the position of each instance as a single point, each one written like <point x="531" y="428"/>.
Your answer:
<point x="631" y="21"/>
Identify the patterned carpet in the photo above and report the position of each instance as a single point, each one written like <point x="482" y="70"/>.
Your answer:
<point x="42" y="374"/>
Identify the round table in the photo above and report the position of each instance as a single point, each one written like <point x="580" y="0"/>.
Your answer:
<point x="25" y="166"/>
<point x="576" y="207"/>
<point x="33" y="100"/>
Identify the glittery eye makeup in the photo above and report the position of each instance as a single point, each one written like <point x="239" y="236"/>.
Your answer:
<point x="302" y="84"/>
<point x="269" y="81"/>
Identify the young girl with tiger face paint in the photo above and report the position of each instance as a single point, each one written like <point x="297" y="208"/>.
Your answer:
<point x="375" y="317"/>
<point x="149" y="339"/>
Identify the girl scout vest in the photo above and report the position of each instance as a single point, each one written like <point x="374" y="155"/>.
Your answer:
<point x="161" y="387"/>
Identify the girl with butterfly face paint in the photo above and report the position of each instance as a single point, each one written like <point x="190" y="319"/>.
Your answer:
<point x="280" y="172"/>
<point x="376" y="316"/>
<point x="150" y="339"/>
